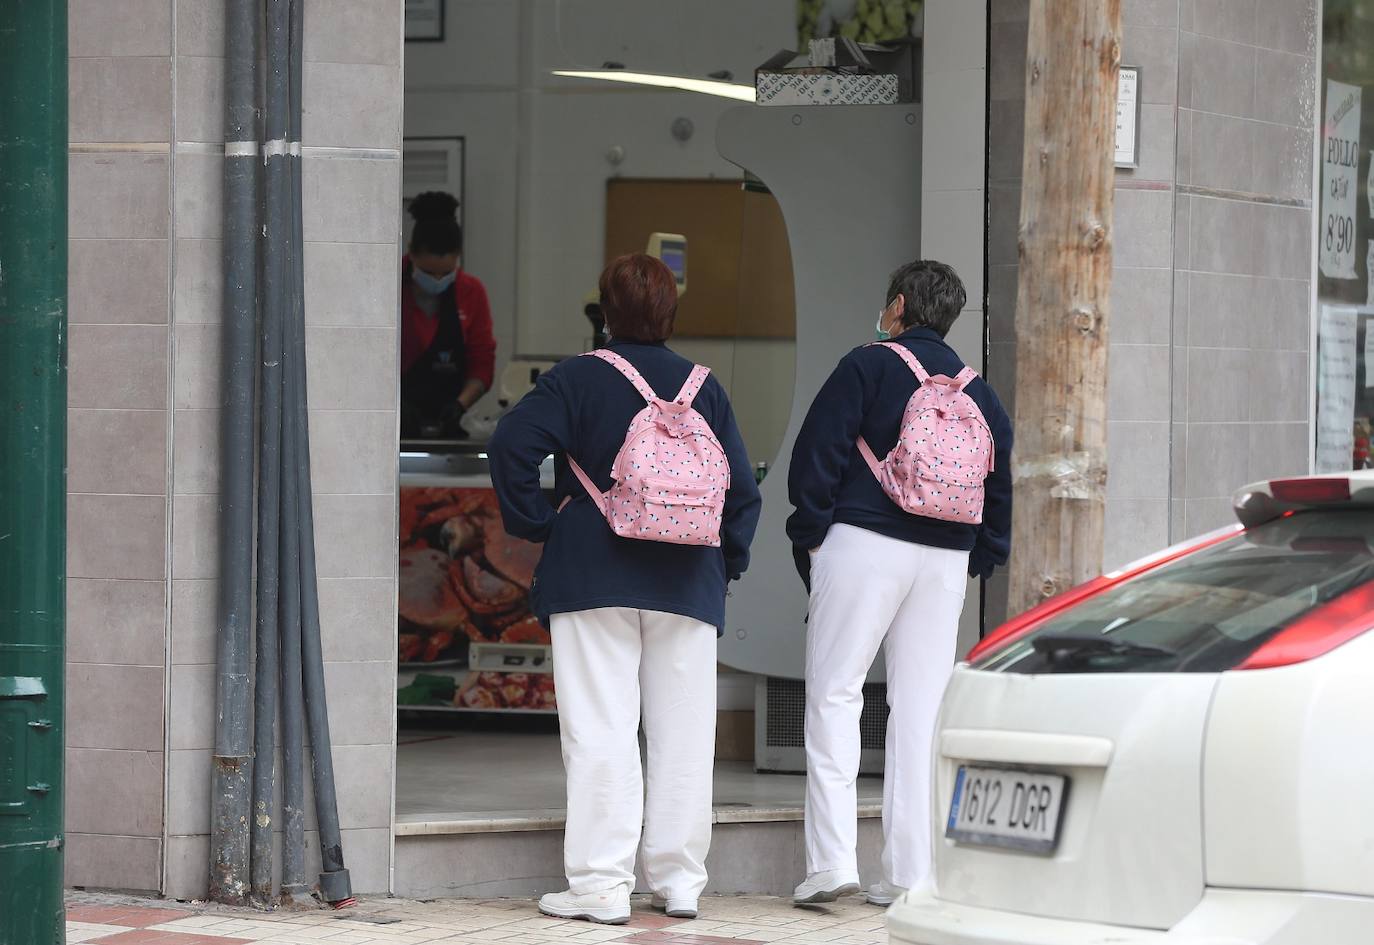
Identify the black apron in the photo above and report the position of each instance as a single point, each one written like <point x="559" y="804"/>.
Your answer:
<point x="434" y="381"/>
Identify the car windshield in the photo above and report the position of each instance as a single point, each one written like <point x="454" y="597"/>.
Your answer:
<point x="1207" y="611"/>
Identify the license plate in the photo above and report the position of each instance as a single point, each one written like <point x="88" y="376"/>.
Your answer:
<point x="1000" y="807"/>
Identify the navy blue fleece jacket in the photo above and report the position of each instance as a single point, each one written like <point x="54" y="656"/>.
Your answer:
<point x="830" y="483"/>
<point x="583" y="408"/>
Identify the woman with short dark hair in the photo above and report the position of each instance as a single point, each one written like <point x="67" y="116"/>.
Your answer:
<point x="886" y="548"/>
<point x="634" y="621"/>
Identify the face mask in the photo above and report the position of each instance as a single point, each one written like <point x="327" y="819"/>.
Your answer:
<point x="430" y="284"/>
<point x="879" y="332"/>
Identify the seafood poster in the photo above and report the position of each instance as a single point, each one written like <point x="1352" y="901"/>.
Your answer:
<point x="463" y="580"/>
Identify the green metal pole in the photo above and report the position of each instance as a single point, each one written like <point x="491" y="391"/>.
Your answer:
<point x="33" y="464"/>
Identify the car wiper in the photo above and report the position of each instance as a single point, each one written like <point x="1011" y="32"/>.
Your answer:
<point x="1063" y="647"/>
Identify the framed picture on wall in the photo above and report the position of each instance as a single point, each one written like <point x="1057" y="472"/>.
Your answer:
<point x="432" y="164"/>
<point x="424" y="21"/>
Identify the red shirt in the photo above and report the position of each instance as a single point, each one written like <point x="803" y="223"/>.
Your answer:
<point x="418" y="327"/>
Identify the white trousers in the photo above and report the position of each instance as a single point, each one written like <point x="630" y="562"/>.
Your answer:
<point x="607" y="664"/>
<point x="869" y="591"/>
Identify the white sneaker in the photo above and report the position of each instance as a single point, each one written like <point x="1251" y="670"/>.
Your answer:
<point x="675" y="908"/>
<point x="826" y="887"/>
<point x="884" y="894"/>
<point x="610" y="907"/>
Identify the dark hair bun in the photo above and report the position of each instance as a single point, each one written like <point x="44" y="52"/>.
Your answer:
<point x="434" y="205"/>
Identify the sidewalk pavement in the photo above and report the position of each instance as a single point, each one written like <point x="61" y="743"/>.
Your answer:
<point x="124" y="920"/>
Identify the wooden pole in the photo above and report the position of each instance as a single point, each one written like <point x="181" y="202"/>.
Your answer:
<point x="1062" y="303"/>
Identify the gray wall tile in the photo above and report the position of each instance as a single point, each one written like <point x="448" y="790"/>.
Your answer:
<point x="123" y="451"/>
<point x="198" y="291"/>
<point x="1183" y="312"/>
<point x="1183" y="151"/>
<point x="188" y="791"/>
<point x="1280" y="385"/>
<point x="1288" y="81"/>
<point x="1221" y="310"/>
<point x="1007" y="127"/>
<point x="116" y="536"/>
<point x="1232" y="20"/>
<point x="1149" y="13"/>
<point x="1282" y="315"/>
<point x="355" y="535"/>
<point x="359" y="112"/>
<point x="105" y="862"/>
<point x="1285" y="241"/>
<point x="362" y="702"/>
<point x="1290" y="25"/>
<point x="1155" y="50"/>
<point x="1133" y="528"/>
<point x="1204" y="515"/>
<point x="1138" y="460"/>
<point x="114" y="792"/>
<point x="1004" y="224"/>
<point x="195" y="536"/>
<point x="359" y="31"/>
<point x="127" y="99"/>
<point x="114" y="707"/>
<point x="1283" y="161"/>
<point x="1018" y="11"/>
<point x="352" y="368"/>
<point x="1141" y="305"/>
<point x="195" y="605"/>
<point x="1220" y="383"/>
<point x="366" y="778"/>
<point x="198" y="367"/>
<point x="353" y="451"/>
<point x="1183" y="232"/>
<point x="1278" y="449"/>
<point x="351" y="284"/>
<point x="1223" y="152"/>
<point x="1142" y="232"/>
<point x="116" y="621"/>
<point x="1138" y="382"/>
<point x="358" y="619"/>
<point x="196" y="453"/>
<point x="117" y="195"/>
<point x="200" y="99"/>
<point x="1223" y="236"/>
<point x="187" y="877"/>
<point x="1222" y="77"/>
<point x="1007" y="62"/>
<point x="1218" y="460"/>
<point x="1002" y="288"/>
<point x="118" y="366"/>
<point x="191" y="715"/>
<point x="1157" y="150"/>
<point x="200" y="27"/>
<point x="127" y="28"/>
<point x="199" y="195"/>
<point x="370" y="850"/>
<point x="352" y="200"/>
<point x="117" y="282"/>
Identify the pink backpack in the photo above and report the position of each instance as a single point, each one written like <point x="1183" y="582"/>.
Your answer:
<point x="671" y="474"/>
<point x="944" y="450"/>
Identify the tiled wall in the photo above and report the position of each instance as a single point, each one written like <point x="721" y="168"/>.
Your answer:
<point x="147" y="113"/>
<point x="1242" y="319"/>
<point x="1208" y="361"/>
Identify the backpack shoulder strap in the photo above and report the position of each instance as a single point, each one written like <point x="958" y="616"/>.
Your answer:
<point x="922" y="375"/>
<point x="627" y="369"/>
<point x="964" y="378"/>
<point x="695" y="381"/>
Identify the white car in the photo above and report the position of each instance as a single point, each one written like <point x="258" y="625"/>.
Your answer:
<point x="1179" y="753"/>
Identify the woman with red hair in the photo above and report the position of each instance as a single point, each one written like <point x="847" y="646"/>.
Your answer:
<point x="634" y="622"/>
